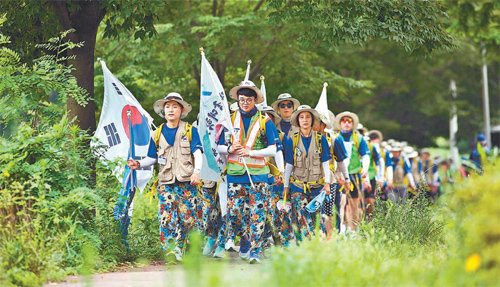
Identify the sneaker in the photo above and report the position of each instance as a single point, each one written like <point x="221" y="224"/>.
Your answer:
<point x="175" y="255"/>
<point x="219" y="252"/>
<point x="230" y="245"/>
<point x="244" y="255"/>
<point x="254" y="258"/>
<point x="209" y="247"/>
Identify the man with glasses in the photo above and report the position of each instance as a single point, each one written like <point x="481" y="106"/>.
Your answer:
<point x="358" y="155"/>
<point x="254" y="139"/>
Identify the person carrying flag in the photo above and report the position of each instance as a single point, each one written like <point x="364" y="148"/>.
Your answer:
<point x="178" y="151"/>
<point x="358" y="155"/>
<point x="307" y="171"/>
<point x="255" y="138"/>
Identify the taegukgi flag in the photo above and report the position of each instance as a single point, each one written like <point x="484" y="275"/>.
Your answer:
<point x="116" y="129"/>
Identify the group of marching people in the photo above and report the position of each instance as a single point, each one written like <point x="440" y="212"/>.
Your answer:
<point x="288" y="166"/>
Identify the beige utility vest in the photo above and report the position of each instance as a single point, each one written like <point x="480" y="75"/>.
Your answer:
<point x="308" y="166"/>
<point x="179" y="160"/>
<point x="414" y="170"/>
<point x="293" y="129"/>
<point x="399" y="172"/>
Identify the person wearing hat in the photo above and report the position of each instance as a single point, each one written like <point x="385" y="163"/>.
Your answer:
<point x="428" y="171"/>
<point x="338" y="170"/>
<point x="399" y="169"/>
<point x="376" y="171"/>
<point x="307" y="170"/>
<point x="358" y="154"/>
<point x="178" y="151"/>
<point x="285" y="105"/>
<point x="254" y="140"/>
<point x="479" y="154"/>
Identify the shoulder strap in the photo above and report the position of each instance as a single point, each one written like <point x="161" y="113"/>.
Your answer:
<point x="188" y="132"/>
<point x="295" y="142"/>
<point x="319" y="144"/>
<point x="157" y="135"/>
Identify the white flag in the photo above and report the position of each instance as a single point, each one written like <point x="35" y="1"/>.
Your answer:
<point x="213" y="109"/>
<point x="322" y="106"/>
<point x="113" y="130"/>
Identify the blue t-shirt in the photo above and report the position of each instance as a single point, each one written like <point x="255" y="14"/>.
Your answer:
<point x="388" y="159"/>
<point x="272" y="138"/>
<point x="169" y="135"/>
<point x="289" y="158"/>
<point x="339" y="149"/>
<point x="363" y="146"/>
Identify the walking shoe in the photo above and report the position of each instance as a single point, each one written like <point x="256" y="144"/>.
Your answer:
<point x="209" y="247"/>
<point x="254" y="258"/>
<point x="219" y="252"/>
<point x="230" y="245"/>
<point x="175" y="255"/>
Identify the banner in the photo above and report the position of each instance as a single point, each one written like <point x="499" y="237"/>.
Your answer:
<point x="213" y="109"/>
<point x="114" y="129"/>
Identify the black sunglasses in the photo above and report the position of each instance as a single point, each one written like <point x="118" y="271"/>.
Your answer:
<point x="283" y="105"/>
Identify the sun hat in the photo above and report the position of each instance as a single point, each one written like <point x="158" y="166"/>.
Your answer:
<point x="304" y="108"/>
<point x="159" y="105"/>
<point x="353" y="116"/>
<point x="373" y="134"/>
<point x="285" y="97"/>
<point x="249" y="85"/>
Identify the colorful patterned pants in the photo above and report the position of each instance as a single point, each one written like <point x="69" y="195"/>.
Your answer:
<point x="176" y="213"/>
<point x="279" y="222"/>
<point x="210" y="221"/>
<point x="306" y="221"/>
<point x="246" y="208"/>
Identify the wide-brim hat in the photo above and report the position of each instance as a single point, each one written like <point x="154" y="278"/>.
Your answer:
<point x="159" y="105"/>
<point x="396" y="146"/>
<point x="410" y="152"/>
<point x="285" y="97"/>
<point x="376" y="132"/>
<point x="353" y="116"/>
<point x="249" y="85"/>
<point x="304" y="108"/>
<point x="424" y="150"/>
<point x="270" y="110"/>
<point x="325" y="120"/>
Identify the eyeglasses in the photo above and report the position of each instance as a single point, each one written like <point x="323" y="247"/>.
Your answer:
<point x="346" y="120"/>
<point x="283" y="105"/>
<point x="245" y="101"/>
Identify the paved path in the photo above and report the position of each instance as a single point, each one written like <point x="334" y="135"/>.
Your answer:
<point x="236" y="272"/>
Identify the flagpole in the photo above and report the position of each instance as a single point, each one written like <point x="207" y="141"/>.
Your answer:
<point x="228" y="117"/>
<point x="129" y="113"/>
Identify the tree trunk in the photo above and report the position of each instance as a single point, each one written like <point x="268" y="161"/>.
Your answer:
<point x="85" y="19"/>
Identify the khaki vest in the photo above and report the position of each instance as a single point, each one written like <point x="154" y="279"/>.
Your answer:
<point x="414" y="171"/>
<point x="293" y="129"/>
<point x="308" y="167"/>
<point x="179" y="160"/>
<point x="399" y="172"/>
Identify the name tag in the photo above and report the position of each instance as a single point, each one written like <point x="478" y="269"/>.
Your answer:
<point x="162" y="160"/>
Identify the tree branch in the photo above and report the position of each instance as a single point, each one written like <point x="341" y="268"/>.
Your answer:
<point x="257" y="7"/>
